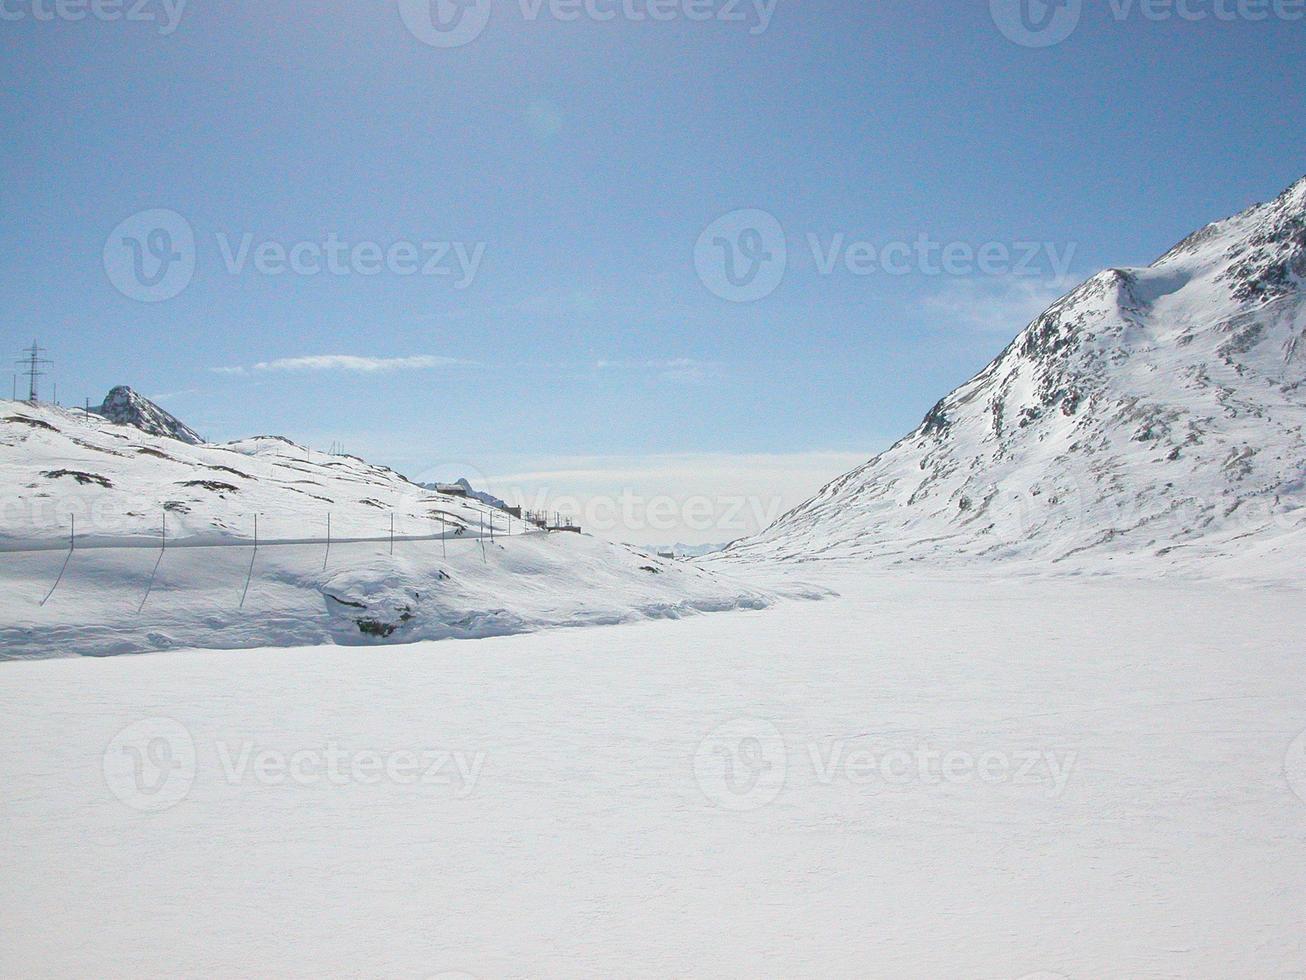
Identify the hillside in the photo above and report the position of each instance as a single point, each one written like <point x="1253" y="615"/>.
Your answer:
<point x="1153" y="418"/>
<point x="325" y="568"/>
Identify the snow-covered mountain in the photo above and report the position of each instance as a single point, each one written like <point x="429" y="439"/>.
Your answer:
<point x="1154" y="417"/>
<point x="324" y="569"/>
<point x="127" y="407"/>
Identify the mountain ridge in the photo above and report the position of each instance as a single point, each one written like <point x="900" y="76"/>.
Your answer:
<point x="1151" y="412"/>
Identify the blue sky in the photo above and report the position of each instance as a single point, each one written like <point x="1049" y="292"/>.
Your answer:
<point x="582" y="160"/>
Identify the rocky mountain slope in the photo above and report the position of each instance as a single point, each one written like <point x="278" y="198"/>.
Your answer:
<point x="125" y="407"/>
<point x="1153" y="417"/>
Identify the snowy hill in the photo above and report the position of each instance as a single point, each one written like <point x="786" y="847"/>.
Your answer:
<point x="323" y="570"/>
<point x="126" y="407"/>
<point x="1153" y="417"/>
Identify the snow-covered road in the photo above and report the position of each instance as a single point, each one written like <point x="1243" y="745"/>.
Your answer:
<point x="928" y="776"/>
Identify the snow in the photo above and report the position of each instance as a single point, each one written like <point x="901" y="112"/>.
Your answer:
<point x="125" y="407"/>
<point x="582" y="821"/>
<point x="1047" y="720"/>
<point x="324" y="570"/>
<point x="1153" y="420"/>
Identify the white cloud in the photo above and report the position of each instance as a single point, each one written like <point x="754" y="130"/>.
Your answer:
<point x="997" y="305"/>
<point x="345" y="362"/>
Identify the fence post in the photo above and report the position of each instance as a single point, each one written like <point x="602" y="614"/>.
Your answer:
<point x="249" y="577"/>
<point x="392" y="532"/>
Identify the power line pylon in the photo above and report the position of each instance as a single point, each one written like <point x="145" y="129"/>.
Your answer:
<point x="32" y="362"/>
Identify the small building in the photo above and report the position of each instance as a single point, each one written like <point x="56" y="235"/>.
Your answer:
<point x="451" y="489"/>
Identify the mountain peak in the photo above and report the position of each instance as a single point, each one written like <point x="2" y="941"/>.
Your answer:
<point x="124" y="406"/>
<point x="1155" y="413"/>
<point x="1295" y="196"/>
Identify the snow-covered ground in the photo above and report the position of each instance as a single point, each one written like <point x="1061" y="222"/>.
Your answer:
<point x="932" y="775"/>
<point x="324" y="570"/>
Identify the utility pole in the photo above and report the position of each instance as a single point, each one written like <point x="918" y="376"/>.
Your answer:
<point x="32" y="361"/>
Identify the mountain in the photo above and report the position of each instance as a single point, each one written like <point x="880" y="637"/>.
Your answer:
<point x="1154" y="417"/>
<point x="126" y="407"/>
<point x="271" y="544"/>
